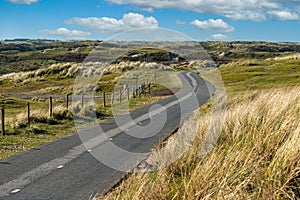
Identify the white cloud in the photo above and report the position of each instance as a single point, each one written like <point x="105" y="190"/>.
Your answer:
<point x="254" y="10"/>
<point x="285" y="15"/>
<point x="213" y="24"/>
<point x="66" y="33"/>
<point x="105" y="25"/>
<point x="180" y="22"/>
<point x="257" y="15"/>
<point x="147" y="9"/>
<point x="219" y="37"/>
<point x="23" y="1"/>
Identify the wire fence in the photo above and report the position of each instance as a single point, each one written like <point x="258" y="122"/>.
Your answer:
<point x="53" y="106"/>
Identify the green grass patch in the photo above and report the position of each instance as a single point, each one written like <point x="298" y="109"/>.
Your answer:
<point x="240" y="77"/>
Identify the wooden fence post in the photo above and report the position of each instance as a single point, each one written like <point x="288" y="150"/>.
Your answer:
<point x="2" y="122"/>
<point x="28" y="113"/>
<point x="133" y="92"/>
<point x="120" y="97"/>
<point x="137" y="92"/>
<point x="50" y="107"/>
<point x="149" y="88"/>
<point x="67" y="103"/>
<point x="104" y="100"/>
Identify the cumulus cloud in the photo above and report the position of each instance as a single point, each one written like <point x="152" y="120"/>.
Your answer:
<point x="105" y="25"/>
<point x="213" y="24"/>
<point x="66" y="33"/>
<point x="219" y="37"/>
<point x="254" y="10"/>
<point x="23" y="1"/>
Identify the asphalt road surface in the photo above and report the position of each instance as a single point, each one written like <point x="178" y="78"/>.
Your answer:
<point x="93" y="160"/>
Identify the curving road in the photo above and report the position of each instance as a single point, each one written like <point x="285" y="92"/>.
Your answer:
<point x="68" y="169"/>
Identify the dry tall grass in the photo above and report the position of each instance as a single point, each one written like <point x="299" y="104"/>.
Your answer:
<point x="70" y="70"/>
<point x="38" y="116"/>
<point x="257" y="156"/>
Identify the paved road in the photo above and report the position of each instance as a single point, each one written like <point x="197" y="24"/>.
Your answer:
<point x="67" y="169"/>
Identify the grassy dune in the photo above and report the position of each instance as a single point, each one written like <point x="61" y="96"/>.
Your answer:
<point x="257" y="155"/>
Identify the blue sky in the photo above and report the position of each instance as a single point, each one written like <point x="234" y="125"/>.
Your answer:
<point x="263" y="20"/>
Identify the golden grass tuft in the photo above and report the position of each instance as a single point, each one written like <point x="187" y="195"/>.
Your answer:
<point x="257" y="156"/>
